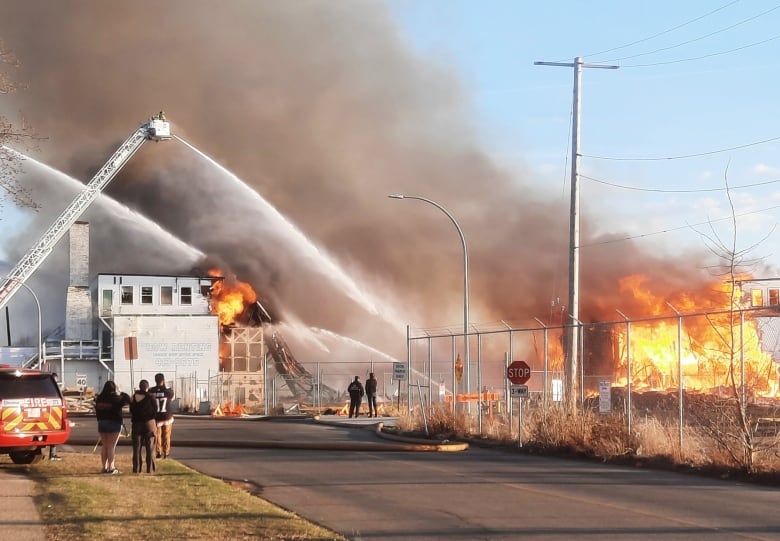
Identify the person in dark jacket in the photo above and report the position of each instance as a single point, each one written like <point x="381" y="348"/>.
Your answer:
<point x="371" y="384"/>
<point x="108" y="410"/>
<point x="164" y="418"/>
<point x="143" y="408"/>
<point x="355" y="391"/>
<point x="53" y="448"/>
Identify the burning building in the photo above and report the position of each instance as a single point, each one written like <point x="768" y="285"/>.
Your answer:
<point x="713" y="338"/>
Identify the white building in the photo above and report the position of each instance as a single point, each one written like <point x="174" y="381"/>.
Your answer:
<point x="155" y="324"/>
<point x="129" y="327"/>
<point x="762" y="297"/>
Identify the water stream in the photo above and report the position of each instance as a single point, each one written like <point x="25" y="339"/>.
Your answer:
<point x="121" y="212"/>
<point x="322" y="262"/>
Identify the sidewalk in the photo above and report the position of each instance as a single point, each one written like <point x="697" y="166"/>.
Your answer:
<point x="20" y="520"/>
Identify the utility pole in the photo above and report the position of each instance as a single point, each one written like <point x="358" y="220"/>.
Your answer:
<point x="572" y="343"/>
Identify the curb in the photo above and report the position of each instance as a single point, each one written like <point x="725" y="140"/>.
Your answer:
<point x="305" y="445"/>
<point x="402" y="443"/>
<point x="422" y="443"/>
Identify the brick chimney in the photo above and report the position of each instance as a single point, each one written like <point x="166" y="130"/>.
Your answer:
<point x="78" y="303"/>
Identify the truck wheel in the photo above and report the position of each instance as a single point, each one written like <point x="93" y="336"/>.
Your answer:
<point x="26" y="457"/>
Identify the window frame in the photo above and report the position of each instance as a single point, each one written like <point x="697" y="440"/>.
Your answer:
<point x="125" y="293"/>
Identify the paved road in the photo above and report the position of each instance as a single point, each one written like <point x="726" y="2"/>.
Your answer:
<point x="482" y="494"/>
<point x="486" y="494"/>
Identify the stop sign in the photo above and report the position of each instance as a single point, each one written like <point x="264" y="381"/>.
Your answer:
<point x="518" y="372"/>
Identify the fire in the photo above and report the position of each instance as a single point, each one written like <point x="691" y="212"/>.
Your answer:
<point x="229" y="299"/>
<point x="713" y="350"/>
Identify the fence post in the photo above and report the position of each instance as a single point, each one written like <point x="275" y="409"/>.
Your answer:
<point x="628" y="369"/>
<point x="742" y="358"/>
<point x="408" y="371"/>
<point x="430" y="373"/>
<point x="679" y="373"/>
<point x="454" y="376"/>
<point x="546" y="365"/>
<point x="479" y="381"/>
<point x="507" y="396"/>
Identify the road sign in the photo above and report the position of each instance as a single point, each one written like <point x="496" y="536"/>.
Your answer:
<point x="131" y="348"/>
<point x="518" y="372"/>
<point x="518" y="390"/>
<point x="605" y="396"/>
<point x="399" y="371"/>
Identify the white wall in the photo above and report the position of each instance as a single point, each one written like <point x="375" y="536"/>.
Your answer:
<point x="173" y="345"/>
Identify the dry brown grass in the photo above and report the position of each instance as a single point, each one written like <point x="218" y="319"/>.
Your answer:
<point x="654" y="439"/>
<point x="441" y="422"/>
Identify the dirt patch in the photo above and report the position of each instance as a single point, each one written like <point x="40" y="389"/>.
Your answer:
<point x="248" y="486"/>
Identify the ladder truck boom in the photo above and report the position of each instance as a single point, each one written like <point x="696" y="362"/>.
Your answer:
<point x="157" y="129"/>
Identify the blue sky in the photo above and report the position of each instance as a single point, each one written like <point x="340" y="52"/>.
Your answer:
<point x="695" y="78"/>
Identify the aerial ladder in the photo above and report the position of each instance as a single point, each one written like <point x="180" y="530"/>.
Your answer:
<point x="157" y="129"/>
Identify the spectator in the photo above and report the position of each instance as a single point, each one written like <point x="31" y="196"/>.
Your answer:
<point x="164" y="417"/>
<point x="108" y="410"/>
<point x="53" y="448"/>
<point x="143" y="409"/>
<point x="355" y="391"/>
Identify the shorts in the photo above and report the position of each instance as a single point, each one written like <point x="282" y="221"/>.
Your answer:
<point x="109" y="426"/>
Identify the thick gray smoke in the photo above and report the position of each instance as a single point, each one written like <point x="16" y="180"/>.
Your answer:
<point x="321" y="108"/>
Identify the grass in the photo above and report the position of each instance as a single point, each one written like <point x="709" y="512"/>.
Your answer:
<point x="78" y="503"/>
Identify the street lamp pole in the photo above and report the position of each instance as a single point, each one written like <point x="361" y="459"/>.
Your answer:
<point x="40" y="326"/>
<point x="465" y="279"/>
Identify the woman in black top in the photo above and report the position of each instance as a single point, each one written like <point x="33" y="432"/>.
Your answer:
<point x="143" y="408"/>
<point x="108" y="410"/>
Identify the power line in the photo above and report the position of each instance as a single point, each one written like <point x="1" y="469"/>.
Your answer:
<point x="658" y="190"/>
<point x="668" y="30"/>
<point x="640" y="158"/>
<point x="643" y="235"/>
<point x="743" y="21"/>
<point x="693" y="58"/>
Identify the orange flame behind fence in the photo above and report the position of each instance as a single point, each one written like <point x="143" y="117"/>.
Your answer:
<point x="713" y="350"/>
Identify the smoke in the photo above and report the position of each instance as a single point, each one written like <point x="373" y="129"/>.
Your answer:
<point x="322" y="109"/>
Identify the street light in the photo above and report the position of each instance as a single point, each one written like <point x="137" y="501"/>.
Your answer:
<point x="465" y="279"/>
<point x="38" y="304"/>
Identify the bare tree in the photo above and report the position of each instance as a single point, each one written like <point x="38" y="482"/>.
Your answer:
<point x="729" y="422"/>
<point x="14" y="137"/>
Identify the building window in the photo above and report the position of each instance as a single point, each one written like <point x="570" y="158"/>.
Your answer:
<point x="108" y="302"/>
<point x="166" y="295"/>
<point x="756" y="297"/>
<point x="185" y="295"/>
<point x="106" y="344"/>
<point x="127" y="294"/>
<point x="146" y="295"/>
<point x="774" y="296"/>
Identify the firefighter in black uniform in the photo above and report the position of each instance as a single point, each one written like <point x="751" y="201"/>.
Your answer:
<point x="355" y="391"/>
<point x="371" y="384"/>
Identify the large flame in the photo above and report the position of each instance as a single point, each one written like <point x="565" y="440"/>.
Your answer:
<point x="230" y="298"/>
<point x="717" y="347"/>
